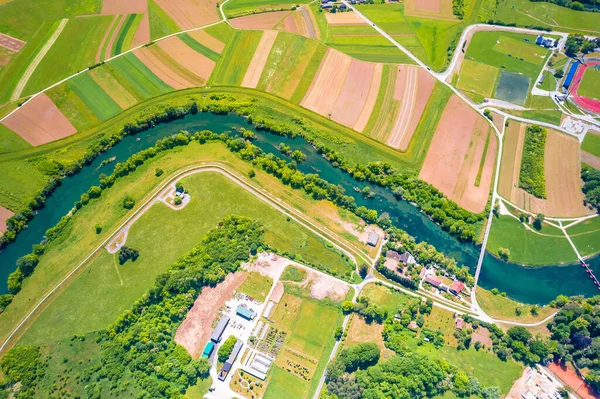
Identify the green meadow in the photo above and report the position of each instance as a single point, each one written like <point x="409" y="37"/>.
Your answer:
<point x="591" y="144"/>
<point x="586" y="236"/>
<point x="94" y="97"/>
<point x="198" y="47"/>
<point x="161" y="23"/>
<point x="136" y="78"/>
<point x="10" y="141"/>
<point x="235" y="8"/>
<point x="478" y="78"/>
<point x="73" y="107"/>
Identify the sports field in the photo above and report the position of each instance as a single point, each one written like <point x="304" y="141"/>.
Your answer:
<point x="478" y="78"/>
<point x="512" y="87"/>
<point x="590" y="83"/>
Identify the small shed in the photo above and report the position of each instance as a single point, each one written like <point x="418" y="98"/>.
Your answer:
<point x="459" y="323"/>
<point x="373" y="239"/>
<point x="244" y="312"/>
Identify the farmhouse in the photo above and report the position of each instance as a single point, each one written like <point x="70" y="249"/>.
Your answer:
<point x="545" y="42"/>
<point x="434" y="280"/>
<point x="218" y="331"/>
<point x="373" y="239"/>
<point x="229" y="362"/>
<point x="244" y="312"/>
<point x="456" y="287"/>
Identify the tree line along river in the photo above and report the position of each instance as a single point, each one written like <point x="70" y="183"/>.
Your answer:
<point x="526" y="284"/>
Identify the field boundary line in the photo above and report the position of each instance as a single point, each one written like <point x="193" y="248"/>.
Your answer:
<point x="36" y="62"/>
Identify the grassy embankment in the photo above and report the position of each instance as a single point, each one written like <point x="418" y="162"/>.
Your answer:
<point x="161" y="235"/>
<point x="503" y="308"/>
<point x="586" y="236"/>
<point x="529" y="247"/>
<point x="236" y="8"/>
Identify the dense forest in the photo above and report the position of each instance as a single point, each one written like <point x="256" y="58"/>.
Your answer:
<point x="138" y="349"/>
<point x="591" y="187"/>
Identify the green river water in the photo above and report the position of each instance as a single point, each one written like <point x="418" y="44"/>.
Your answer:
<point x="526" y="284"/>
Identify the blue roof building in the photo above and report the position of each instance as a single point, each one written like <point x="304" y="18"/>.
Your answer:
<point x="569" y="79"/>
<point x="246" y="313"/>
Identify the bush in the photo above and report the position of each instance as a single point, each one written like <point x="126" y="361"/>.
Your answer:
<point x="158" y="172"/>
<point x="177" y="200"/>
<point x="128" y="202"/>
<point x="98" y="228"/>
<point x="126" y="253"/>
<point x="531" y="177"/>
<point x="226" y="348"/>
<point x="504" y="253"/>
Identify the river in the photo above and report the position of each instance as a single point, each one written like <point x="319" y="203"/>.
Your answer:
<point x="526" y="284"/>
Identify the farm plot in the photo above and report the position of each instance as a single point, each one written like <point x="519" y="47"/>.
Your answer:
<point x="344" y="89"/>
<point x="561" y="174"/>
<point x="261" y="21"/>
<point x="413" y="88"/>
<point x="344" y="19"/>
<point x="5" y="214"/>
<point x="206" y="41"/>
<point x="56" y="66"/>
<point x="113" y="88"/>
<point x="166" y="68"/>
<point x="302" y="22"/>
<point x="137" y="78"/>
<point x="478" y="78"/>
<point x="72" y="107"/>
<point x="94" y="97"/>
<point x="234" y="62"/>
<point x="11" y="43"/>
<point x="236" y="8"/>
<point x="188" y="14"/>
<point x="435" y="9"/>
<point x="288" y="63"/>
<point x="39" y="122"/>
<point x="193" y="61"/>
<point x="259" y="59"/>
<point x="160" y="23"/>
<point x="457" y="157"/>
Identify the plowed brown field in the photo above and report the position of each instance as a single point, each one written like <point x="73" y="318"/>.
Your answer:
<point x="266" y="20"/>
<point x="353" y="96"/>
<point x="39" y="122"/>
<point x="453" y="159"/>
<point x="207" y="40"/>
<point x="193" y="61"/>
<point x="344" y="19"/>
<point x="148" y="56"/>
<point x="4" y="215"/>
<point x="11" y="43"/>
<point x="259" y="59"/>
<point x="190" y="14"/>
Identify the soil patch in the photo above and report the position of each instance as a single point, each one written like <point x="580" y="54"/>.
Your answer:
<point x="207" y="40"/>
<point x="323" y="286"/>
<point x="367" y="110"/>
<point x="482" y="335"/>
<point x="196" y="329"/>
<point x="5" y="214"/>
<point x="266" y="20"/>
<point x="590" y="159"/>
<point x="453" y="160"/>
<point x="259" y="59"/>
<point x="344" y="18"/>
<point x="435" y="9"/>
<point x="353" y="96"/>
<point x="413" y="88"/>
<point x="328" y="82"/>
<point x="191" y="60"/>
<point x="277" y="293"/>
<point x="116" y="7"/>
<point x="190" y="14"/>
<point x="160" y="69"/>
<point x="142" y="34"/>
<point x="39" y="122"/>
<point x="362" y="332"/>
<point x="11" y="43"/>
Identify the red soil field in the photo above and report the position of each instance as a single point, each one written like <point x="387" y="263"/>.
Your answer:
<point x="160" y="69"/>
<point x="301" y="22"/>
<point x="196" y="329"/>
<point x="266" y="20"/>
<point x="39" y="122"/>
<point x="259" y="59"/>
<point x="190" y="14"/>
<point x="207" y="40"/>
<point x="4" y="215"/>
<point x="11" y="43"/>
<point x="327" y="83"/>
<point x="590" y="159"/>
<point x="428" y="5"/>
<point x="193" y="61"/>
<point x="344" y="19"/>
<point x="575" y="382"/>
<point x="115" y="7"/>
<point x="453" y="159"/>
<point x="142" y="35"/>
<point x="354" y="93"/>
<point x="413" y="88"/>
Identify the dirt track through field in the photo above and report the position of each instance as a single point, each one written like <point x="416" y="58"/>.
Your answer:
<point x="352" y="98"/>
<point x="189" y="14"/>
<point x="262" y="21"/>
<point x="413" y="89"/>
<point x="11" y="43"/>
<point x="259" y="59"/>
<point x="367" y="110"/>
<point x="186" y="56"/>
<point x="160" y="69"/>
<point x="36" y="61"/>
<point x="453" y="159"/>
<point x="4" y="215"/>
<point x="207" y="40"/>
<point x="327" y="83"/>
<point x="196" y="329"/>
<point x="39" y="122"/>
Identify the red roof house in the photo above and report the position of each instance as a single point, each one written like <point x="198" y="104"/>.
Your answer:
<point x="459" y="323"/>
<point x="456" y="287"/>
<point x="434" y="280"/>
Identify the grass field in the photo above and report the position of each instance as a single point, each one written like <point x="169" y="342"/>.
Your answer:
<point x="161" y="24"/>
<point x="503" y="308"/>
<point x="528" y="13"/>
<point x="105" y="280"/>
<point x="96" y="99"/>
<point x="256" y="286"/>
<point x="136" y="78"/>
<point x="549" y="83"/>
<point x="112" y="87"/>
<point x="236" y="57"/>
<point x="591" y="144"/>
<point x="120" y="45"/>
<point x="590" y="84"/>
<point x="513" y="87"/>
<point x="388" y="298"/>
<point x="235" y="8"/>
<point x="73" y="107"/>
<point x="68" y="56"/>
<point x="162" y="235"/>
<point x="478" y="77"/>
<point x="10" y="141"/>
<point x="528" y="247"/>
<point x="586" y="236"/>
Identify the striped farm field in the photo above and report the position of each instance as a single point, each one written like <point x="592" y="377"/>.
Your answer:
<point x="73" y="107"/>
<point x="94" y="97"/>
<point x="161" y="23"/>
<point x="120" y="44"/>
<point x="287" y="64"/>
<point x="167" y="69"/>
<point x="103" y="51"/>
<point x="259" y="59"/>
<point x="201" y="48"/>
<point x="192" y="61"/>
<point x="381" y="122"/>
<point x="137" y="78"/>
<point x="232" y="67"/>
<point x="189" y="14"/>
<point x="113" y="88"/>
<point x="205" y="39"/>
